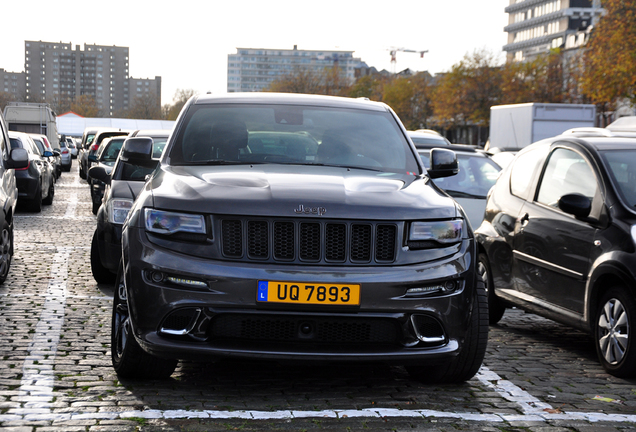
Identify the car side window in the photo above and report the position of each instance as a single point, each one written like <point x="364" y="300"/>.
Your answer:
<point x="522" y="172"/>
<point x="566" y="172"/>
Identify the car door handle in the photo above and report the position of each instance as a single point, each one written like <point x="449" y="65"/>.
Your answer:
<point x="524" y="220"/>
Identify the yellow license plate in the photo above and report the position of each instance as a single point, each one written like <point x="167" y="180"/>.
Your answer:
<point x="308" y="293"/>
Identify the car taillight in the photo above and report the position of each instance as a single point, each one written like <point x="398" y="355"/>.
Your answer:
<point x="65" y="151"/>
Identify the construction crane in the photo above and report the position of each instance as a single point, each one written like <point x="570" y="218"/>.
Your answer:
<point x="394" y="51"/>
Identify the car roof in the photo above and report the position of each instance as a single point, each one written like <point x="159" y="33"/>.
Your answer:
<point x="151" y="132"/>
<point x="455" y="147"/>
<point x="290" y="99"/>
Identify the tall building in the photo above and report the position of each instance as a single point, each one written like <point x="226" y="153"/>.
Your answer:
<point x="56" y="71"/>
<point x="537" y="26"/>
<point x="13" y="83"/>
<point x="254" y="69"/>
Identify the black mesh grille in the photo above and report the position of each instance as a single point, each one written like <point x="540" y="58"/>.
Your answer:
<point x="331" y="330"/>
<point x="309" y="241"/>
<point x="336" y="242"/>
<point x="385" y="243"/>
<point x="257" y="240"/>
<point x="232" y="235"/>
<point x="361" y="243"/>
<point x="284" y="241"/>
<point x="309" y="248"/>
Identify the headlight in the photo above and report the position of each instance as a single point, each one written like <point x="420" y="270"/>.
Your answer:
<point x="164" y="222"/>
<point x="118" y="210"/>
<point x="444" y="232"/>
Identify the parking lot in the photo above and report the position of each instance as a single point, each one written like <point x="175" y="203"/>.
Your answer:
<point x="56" y="374"/>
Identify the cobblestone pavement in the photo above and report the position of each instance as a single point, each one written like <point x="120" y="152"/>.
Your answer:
<point x="55" y="371"/>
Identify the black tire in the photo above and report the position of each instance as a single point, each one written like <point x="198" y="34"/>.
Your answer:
<point x="467" y="363"/>
<point x="82" y="174"/>
<point x="613" y="330"/>
<point x="49" y="199"/>
<point x="496" y="308"/>
<point x="96" y="207"/>
<point x="6" y="250"/>
<point x="35" y="205"/>
<point x="101" y="274"/>
<point x="129" y="360"/>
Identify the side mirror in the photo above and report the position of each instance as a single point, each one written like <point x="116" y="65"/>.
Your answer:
<point x="99" y="173"/>
<point x="443" y="163"/>
<point x="47" y="153"/>
<point x="92" y="158"/>
<point x="18" y="158"/>
<point x="575" y="204"/>
<point x="56" y="153"/>
<point x="138" y="151"/>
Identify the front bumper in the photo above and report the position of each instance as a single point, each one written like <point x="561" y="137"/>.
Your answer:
<point x="223" y="318"/>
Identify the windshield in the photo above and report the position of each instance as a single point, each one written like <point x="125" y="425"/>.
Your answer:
<point x="477" y="174"/>
<point x="621" y="165"/>
<point x="110" y="151"/>
<point x="249" y="134"/>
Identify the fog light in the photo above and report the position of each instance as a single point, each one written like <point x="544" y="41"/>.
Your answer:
<point x="156" y="276"/>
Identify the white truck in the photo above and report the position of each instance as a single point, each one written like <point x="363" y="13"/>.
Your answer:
<point x="513" y="127"/>
<point x="36" y="118"/>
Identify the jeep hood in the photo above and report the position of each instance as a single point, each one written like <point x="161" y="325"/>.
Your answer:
<point x="299" y="190"/>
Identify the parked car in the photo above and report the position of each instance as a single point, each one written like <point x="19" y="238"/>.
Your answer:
<point x="35" y="182"/>
<point x="123" y="184"/>
<point x="18" y="158"/>
<point x="559" y="240"/>
<point x="56" y="160"/>
<point x="72" y="147"/>
<point x="105" y="157"/>
<point x="65" y="154"/>
<point x="91" y="146"/>
<point x="477" y="174"/>
<point x="346" y="254"/>
<point x="425" y="138"/>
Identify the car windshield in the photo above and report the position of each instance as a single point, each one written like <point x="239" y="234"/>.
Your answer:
<point x="435" y="140"/>
<point x="621" y="165"/>
<point x="284" y="134"/>
<point x="477" y="174"/>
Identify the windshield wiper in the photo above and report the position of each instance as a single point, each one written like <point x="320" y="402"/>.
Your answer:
<point x="345" y="166"/>
<point x="219" y="162"/>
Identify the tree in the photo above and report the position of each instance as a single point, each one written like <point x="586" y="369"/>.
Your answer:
<point x="5" y="98"/>
<point x="145" y="107"/>
<point x="300" y="80"/>
<point x="85" y="106"/>
<point x="610" y="55"/>
<point x="369" y="86"/>
<point x="181" y="96"/>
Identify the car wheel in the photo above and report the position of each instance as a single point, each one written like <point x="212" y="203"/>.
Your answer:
<point x="36" y="203"/>
<point x="496" y="308"/>
<point x="49" y="199"/>
<point x="467" y="363"/>
<point x="82" y="174"/>
<point x="101" y="274"/>
<point x="613" y="325"/>
<point x="6" y="250"/>
<point x="96" y="207"/>
<point x="129" y="360"/>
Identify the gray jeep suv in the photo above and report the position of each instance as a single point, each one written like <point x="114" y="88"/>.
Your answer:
<point x="295" y="227"/>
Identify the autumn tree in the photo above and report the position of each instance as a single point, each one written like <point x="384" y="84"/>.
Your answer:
<point x="370" y="86"/>
<point x="5" y="98"/>
<point x="181" y="96"/>
<point x="610" y="55"/>
<point x="411" y="98"/>
<point x="85" y="106"/>
<point x="146" y="106"/>
<point x="465" y="94"/>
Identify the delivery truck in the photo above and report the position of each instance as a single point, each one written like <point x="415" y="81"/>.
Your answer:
<point x="36" y="118"/>
<point x="513" y="127"/>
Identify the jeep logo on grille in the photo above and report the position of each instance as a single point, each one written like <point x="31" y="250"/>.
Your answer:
<point x="310" y="210"/>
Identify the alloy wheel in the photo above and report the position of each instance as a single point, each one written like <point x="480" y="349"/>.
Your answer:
<point x="613" y="331"/>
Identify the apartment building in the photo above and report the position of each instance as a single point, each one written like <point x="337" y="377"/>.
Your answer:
<point x="55" y="71"/>
<point x="13" y="83"/>
<point x="537" y="26"/>
<point x="254" y="69"/>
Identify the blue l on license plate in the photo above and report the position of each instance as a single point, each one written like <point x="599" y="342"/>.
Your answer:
<point x="308" y="293"/>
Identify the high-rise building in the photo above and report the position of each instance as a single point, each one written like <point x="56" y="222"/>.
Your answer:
<point x="254" y="69"/>
<point x="13" y="83"/>
<point x="56" y="71"/>
<point x="537" y="26"/>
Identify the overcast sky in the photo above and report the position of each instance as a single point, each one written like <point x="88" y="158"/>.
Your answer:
<point x="187" y="42"/>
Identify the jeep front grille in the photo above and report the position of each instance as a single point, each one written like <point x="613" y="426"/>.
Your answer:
<point x="309" y="241"/>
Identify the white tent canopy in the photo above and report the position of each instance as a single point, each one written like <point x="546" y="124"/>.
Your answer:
<point x="72" y="124"/>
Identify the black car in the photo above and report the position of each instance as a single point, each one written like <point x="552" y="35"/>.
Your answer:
<point x="559" y="240"/>
<point x="36" y="181"/>
<point x="105" y="157"/>
<point x="94" y="138"/>
<point x="244" y="244"/>
<point x="122" y="185"/>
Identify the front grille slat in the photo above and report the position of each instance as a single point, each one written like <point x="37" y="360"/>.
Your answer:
<point x="308" y="241"/>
